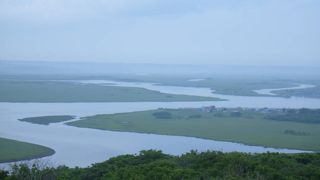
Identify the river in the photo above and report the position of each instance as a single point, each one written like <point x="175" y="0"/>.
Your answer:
<point x="82" y="146"/>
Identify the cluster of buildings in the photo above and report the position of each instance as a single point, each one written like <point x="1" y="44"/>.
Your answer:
<point x="221" y="109"/>
<point x="239" y="109"/>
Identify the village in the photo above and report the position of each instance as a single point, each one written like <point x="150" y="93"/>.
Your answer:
<point x="213" y="108"/>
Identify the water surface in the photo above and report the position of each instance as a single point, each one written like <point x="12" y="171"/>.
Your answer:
<point x="81" y="146"/>
<point x="232" y="101"/>
<point x="271" y="92"/>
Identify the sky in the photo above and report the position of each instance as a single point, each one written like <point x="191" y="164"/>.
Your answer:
<point x="230" y="32"/>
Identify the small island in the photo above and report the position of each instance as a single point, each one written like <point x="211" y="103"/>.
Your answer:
<point x="277" y="128"/>
<point x="12" y="150"/>
<point x="46" y="120"/>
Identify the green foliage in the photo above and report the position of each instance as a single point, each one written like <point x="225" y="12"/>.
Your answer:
<point x="162" y="115"/>
<point x="25" y="172"/>
<point x="153" y="164"/>
<point x="46" y="120"/>
<point x="301" y="115"/>
<point x="296" y="133"/>
<point x="195" y="116"/>
<point x="49" y="91"/>
<point x="11" y="150"/>
<point x="243" y="126"/>
<point x="308" y="92"/>
<point x="3" y="174"/>
<point x="236" y="114"/>
<point x="230" y="85"/>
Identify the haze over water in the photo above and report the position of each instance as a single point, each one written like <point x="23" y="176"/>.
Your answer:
<point x="206" y="48"/>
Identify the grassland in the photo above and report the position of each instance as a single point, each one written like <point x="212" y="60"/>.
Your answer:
<point x="12" y="150"/>
<point x="228" y="85"/>
<point x="46" y="120"/>
<point x="46" y="91"/>
<point x="308" y="92"/>
<point x="241" y="86"/>
<point x="249" y="128"/>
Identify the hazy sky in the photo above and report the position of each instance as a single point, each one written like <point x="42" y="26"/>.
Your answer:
<point x="272" y="32"/>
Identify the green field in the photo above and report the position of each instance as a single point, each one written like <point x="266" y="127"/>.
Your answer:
<point x="236" y="86"/>
<point x="12" y="150"/>
<point x="46" y="120"/>
<point x="232" y="85"/>
<point x="46" y="91"/>
<point x="309" y="92"/>
<point x="249" y="127"/>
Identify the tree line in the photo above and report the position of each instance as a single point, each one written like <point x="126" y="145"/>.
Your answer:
<point x="152" y="164"/>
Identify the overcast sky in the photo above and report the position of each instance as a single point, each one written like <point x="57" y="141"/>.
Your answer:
<point x="258" y="32"/>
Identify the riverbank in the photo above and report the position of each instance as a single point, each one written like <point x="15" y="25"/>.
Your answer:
<point x="232" y="125"/>
<point x="57" y="91"/>
<point x="12" y="150"/>
<point x="106" y="144"/>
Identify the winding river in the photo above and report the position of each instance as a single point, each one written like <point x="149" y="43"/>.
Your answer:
<point x="232" y="101"/>
<point x="271" y="91"/>
<point x="82" y="147"/>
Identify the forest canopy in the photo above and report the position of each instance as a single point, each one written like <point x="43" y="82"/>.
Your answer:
<point x="152" y="164"/>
